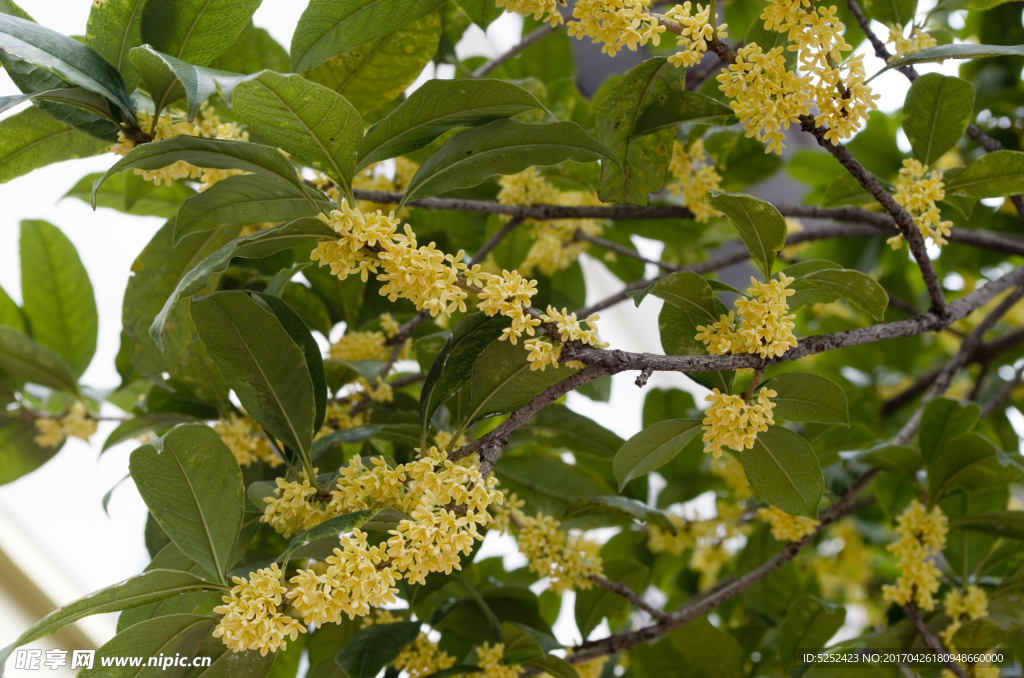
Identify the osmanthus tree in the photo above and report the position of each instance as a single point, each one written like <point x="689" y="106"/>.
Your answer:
<point x="855" y="437"/>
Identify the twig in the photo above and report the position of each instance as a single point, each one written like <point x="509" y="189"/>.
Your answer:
<point x="527" y="40"/>
<point x="931" y="640"/>
<point x="623" y="250"/>
<point x="628" y="594"/>
<point x="1003" y="393"/>
<point x="496" y="239"/>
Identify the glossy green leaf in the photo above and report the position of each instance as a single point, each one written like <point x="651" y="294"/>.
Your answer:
<point x="523" y="642"/>
<point x="783" y="470"/>
<point x="169" y="79"/>
<point x="374" y="647"/>
<point x="652" y="448"/>
<point x="942" y="420"/>
<point x="1006" y="524"/>
<point x="144" y="588"/>
<point x="435" y="108"/>
<point x="979" y="633"/>
<point x="19" y="452"/>
<point x="59" y="304"/>
<point x="502" y="147"/>
<point x="373" y="74"/>
<point x="709" y="652"/>
<point x="809" y="624"/>
<point x="259" y="244"/>
<point x="967" y="463"/>
<point x="846" y="190"/>
<point x="821" y="282"/>
<point x="453" y="366"/>
<point x="643" y="160"/>
<point x="306" y="119"/>
<point x="993" y="175"/>
<point x="547" y="484"/>
<point x="114" y="28"/>
<point x="481" y="12"/>
<point x="175" y="633"/>
<point x="558" y="426"/>
<point x="77" y="97"/>
<point x="962" y="50"/>
<point x="210" y="153"/>
<point x="195" y="32"/>
<point x="246" y="200"/>
<point x="169" y="557"/>
<point x="261" y="363"/>
<point x="552" y="665"/>
<point x="329" y="28"/>
<point x="597" y="603"/>
<point x="32" y="139"/>
<point x="899" y="460"/>
<point x="501" y="380"/>
<point x="966" y="550"/>
<point x="329" y="530"/>
<point x="804" y="396"/>
<point x="892" y="12"/>
<point x="936" y="114"/>
<point x="192" y="485"/>
<point x="132" y="428"/>
<point x="621" y="509"/>
<point x="678" y="107"/>
<point x="23" y="359"/>
<point x="64" y="57"/>
<point x="147" y="199"/>
<point x="761" y="227"/>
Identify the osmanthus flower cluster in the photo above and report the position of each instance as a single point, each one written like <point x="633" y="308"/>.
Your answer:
<point x="917" y="191"/>
<point x="962" y="606"/>
<point x="555" y="245"/>
<point x="698" y="29"/>
<point x="904" y="45"/>
<point x="422" y="657"/>
<point x="246" y="440"/>
<point x="546" y="351"/>
<point x="922" y="534"/>
<point x="616" y="24"/>
<point x="705" y="537"/>
<point x="209" y="126"/>
<point x="693" y="175"/>
<point x="787" y="527"/>
<point x="765" y="328"/>
<point x="252" y="614"/>
<point x="76" y="423"/>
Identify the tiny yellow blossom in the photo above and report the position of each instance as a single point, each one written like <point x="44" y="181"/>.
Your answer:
<point x="694" y="176"/>
<point x="569" y="561"/>
<point x="251" y="616"/>
<point x="917" y="41"/>
<point x="488" y="658"/>
<point x="786" y="527"/>
<point x="697" y="31"/>
<point x="922" y="535"/>
<point x="730" y="422"/>
<point x="246" y="440"/>
<point x="918" y="193"/>
<point x="77" y="423"/>
<point x="616" y="24"/>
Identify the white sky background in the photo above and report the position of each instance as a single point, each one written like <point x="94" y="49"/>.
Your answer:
<point x="59" y="507"/>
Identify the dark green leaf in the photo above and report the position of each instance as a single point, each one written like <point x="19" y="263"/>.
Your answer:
<point x="676" y="108"/>
<point x="620" y="509"/>
<point x="435" y="108"/>
<point x="114" y="28"/>
<point x="596" y="603"/>
<point x="547" y="485"/>
<point x="993" y="175"/>
<point x="148" y="200"/>
<point x="58" y="299"/>
<point x="192" y="485"/>
<point x="171" y="634"/>
<point x="936" y="114"/>
<point x="144" y="423"/>
<point x="967" y="464"/>
<point x="783" y="470"/>
<point x="891" y="12"/>
<point x="1006" y="524"/>
<point x="19" y="452"/>
<point x="652" y="448"/>
<point x="502" y="147"/>
<point x="197" y="33"/>
<point x="558" y="426"/>
<point x="10" y="313"/>
<point x="23" y="359"/>
<point x="824" y="282"/>
<point x="709" y="652"/>
<point x="761" y="227"/>
<point x="961" y="50"/>
<point x="169" y="79"/>
<point x="481" y="12"/>
<point x="809" y="624"/>
<point x="899" y="460"/>
<point x="375" y="647"/>
<point x="32" y="139"/>
<point x="944" y="419"/>
<point x="846" y="190"/>
<point x="803" y="396"/>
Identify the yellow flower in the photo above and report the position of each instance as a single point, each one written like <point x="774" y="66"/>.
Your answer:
<point x="246" y="440"/>
<point x="615" y="24"/>
<point x="765" y="328"/>
<point x="251" y="619"/>
<point x="917" y="41"/>
<point x="77" y="423"/>
<point x="694" y="176"/>
<point x="423" y="658"/>
<point x="292" y="507"/>
<point x="730" y="422"/>
<point x="922" y="535"/>
<point x="488" y="658"/>
<point x="542" y="10"/>
<point x="730" y="470"/>
<point x="786" y="527"/>
<point x="918" y="195"/>
<point x="569" y="561"/>
<point x="697" y="31"/>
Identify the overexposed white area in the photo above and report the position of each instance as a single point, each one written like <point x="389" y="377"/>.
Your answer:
<point x="55" y="515"/>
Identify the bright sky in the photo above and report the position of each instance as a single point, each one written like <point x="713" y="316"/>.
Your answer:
<point x="60" y="506"/>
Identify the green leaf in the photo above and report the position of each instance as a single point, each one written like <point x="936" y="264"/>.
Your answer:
<point x="652" y="448"/>
<point x="254" y="50"/>
<point x="944" y="419"/>
<point x="1006" y="524"/>
<point x="77" y="97"/>
<point x="58" y="299"/>
<point x="306" y="119"/>
<point x="8" y="7"/>
<point x="169" y="79"/>
<point x="642" y="160"/>
<point x="329" y="28"/>
<point x="966" y="464"/>
<point x="809" y="624"/>
<point x="961" y="50"/>
<point x="192" y="485"/>
<point x="148" y="200"/>
<point x="259" y="244"/>
<point x="783" y="470"/>
<point x="114" y="28"/>
<point x="169" y="557"/>
<point x="374" y="647"/>
<point x="978" y="633"/>
<point x="709" y="652"/>
<point x="662" y="404"/>
<point x="899" y="460"/>
<point x="846" y="190"/>
<point x="139" y="590"/>
<point x="993" y="175"/>
<point x="761" y="227"/>
<point x="481" y="12"/>
<point x="65" y="57"/>
<point x="345" y="435"/>
<point x="211" y="153"/>
<point x="328" y="531"/>
<point x="261" y="363"/>
<point x="501" y="147"/>
<point x="891" y="12"/>
<point x="547" y="484"/>
<point x="523" y="642"/>
<point x="768" y="39"/>
<point x="676" y="108"/>
<point x="375" y="73"/>
<point x="453" y="366"/>
<point x="20" y="454"/>
<point x="10" y="313"/>
<point x="150" y="638"/>
<point x="32" y="139"/>
<point x="596" y="603"/>
<point x="501" y="380"/>
<point x="621" y="509"/>
<point x="821" y="282"/>
<point x="197" y="33"/>
<point x="553" y="666"/>
<point x="23" y="359"/>
<point x="300" y="334"/>
<point x="558" y="426"/>
<point x="803" y="396"/>
<point x="936" y="113"/>
<point x="246" y="200"/>
<point x="439" y="106"/>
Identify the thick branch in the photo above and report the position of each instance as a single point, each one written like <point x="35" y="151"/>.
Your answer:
<point x="628" y="594"/>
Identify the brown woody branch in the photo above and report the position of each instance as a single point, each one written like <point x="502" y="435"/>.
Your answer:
<point x="931" y="640"/>
<point x="628" y="594"/>
<point x="528" y="39"/>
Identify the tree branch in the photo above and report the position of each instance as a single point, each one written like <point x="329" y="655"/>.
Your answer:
<point x="1003" y="393"/>
<point x="627" y="593"/>
<point x="528" y="39"/>
<point x="930" y="639"/>
<point x="496" y="239"/>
